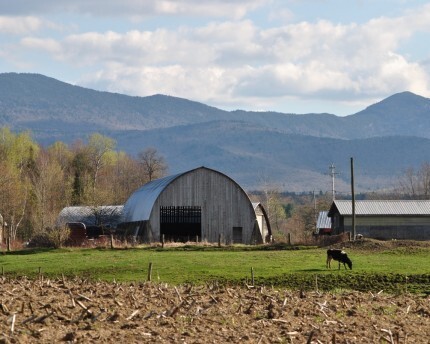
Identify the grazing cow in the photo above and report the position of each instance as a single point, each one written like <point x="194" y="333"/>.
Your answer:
<point x="339" y="256"/>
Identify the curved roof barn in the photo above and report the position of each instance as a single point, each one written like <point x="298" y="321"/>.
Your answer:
<point x="107" y="216"/>
<point x="200" y="204"/>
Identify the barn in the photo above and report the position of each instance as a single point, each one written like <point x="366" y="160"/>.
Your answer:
<point x="201" y="204"/>
<point x="89" y="222"/>
<point x="383" y="219"/>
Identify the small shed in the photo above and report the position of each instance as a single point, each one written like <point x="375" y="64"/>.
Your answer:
<point x="323" y="223"/>
<point x="94" y="220"/>
<point x="200" y="204"/>
<point x="383" y="219"/>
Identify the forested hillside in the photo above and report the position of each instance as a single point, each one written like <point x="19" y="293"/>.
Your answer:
<point x="288" y="150"/>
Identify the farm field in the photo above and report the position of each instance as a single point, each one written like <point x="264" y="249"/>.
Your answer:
<point x="278" y="266"/>
<point x="206" y="294"/>
<point x="79" y="311"/>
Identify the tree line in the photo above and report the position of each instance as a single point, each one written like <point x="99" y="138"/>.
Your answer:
<point x="36" y="182"/>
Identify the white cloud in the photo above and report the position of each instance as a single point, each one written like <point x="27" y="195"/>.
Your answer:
<point x="134" y="8"/>
<point x="49" y="45"/>
<point x="20" y="25"/>
<point x="240" y="62"/>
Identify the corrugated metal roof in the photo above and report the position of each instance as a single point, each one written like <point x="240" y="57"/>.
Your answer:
<point x="110" y="215"/>
<point x="138" y="207"/>
<point x="323" y="220"/>
<point x="384" y="207"/>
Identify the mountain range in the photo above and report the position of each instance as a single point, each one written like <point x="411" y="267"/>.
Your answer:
<point x="291" y="152"/>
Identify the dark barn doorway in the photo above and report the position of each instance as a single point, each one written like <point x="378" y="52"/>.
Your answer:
<point x="181" y="223"/>
<point x="237" y="235"/>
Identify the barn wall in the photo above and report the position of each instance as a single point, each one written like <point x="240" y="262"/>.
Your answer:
<point x="394" y="227"/>
<point x="388" y="220"/>
<point x="223" y="203"/>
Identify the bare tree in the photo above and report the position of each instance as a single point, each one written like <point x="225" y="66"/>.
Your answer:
<point x="125" y="176"/>
<point x="49" y="191"/>
<point x="424" y="179"/>
<point x="153" y="164"/>
<point x="416" y="184"/>
<point x="99" y="147"/>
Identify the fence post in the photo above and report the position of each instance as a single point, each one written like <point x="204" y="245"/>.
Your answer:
<point x="150" y="272"/>
<point x="162" y="241"/>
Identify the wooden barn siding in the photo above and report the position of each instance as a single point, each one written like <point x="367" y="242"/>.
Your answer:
<point x="224" y="205"/>
<point x="395" y="227"/>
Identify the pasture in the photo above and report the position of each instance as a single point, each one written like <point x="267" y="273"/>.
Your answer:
<point x="292" y="267"/>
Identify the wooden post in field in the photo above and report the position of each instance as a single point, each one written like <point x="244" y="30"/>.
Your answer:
<point x="289" y="238"/>
<point x="162" y="240"/>
<point x="111" y="240"/>
<point x="219" y="240"/>
<point x="150" y="272"/>
<point x="316" y="283"/>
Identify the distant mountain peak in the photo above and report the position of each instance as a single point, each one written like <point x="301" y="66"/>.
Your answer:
<point x="404" y="96"/>
<point x="399" y="104"/>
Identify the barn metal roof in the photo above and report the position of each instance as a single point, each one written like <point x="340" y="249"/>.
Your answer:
<point x="92" y="216"/>
<point x="256" y="204"/>
<point x="382" y="207"/>
<point x="323" y="220"/>
<point x="139" y="206"/>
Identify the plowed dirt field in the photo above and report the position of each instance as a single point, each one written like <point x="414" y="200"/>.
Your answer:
<point x="80" y="311"/>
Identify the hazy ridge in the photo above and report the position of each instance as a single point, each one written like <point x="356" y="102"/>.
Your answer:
<point x="288" y="150"/>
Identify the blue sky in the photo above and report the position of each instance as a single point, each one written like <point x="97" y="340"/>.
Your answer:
<point x="293" y="56"/>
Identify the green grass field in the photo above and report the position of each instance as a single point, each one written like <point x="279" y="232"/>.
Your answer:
<point x="299" y="268"/>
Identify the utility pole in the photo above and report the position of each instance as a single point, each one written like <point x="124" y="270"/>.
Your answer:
<point x="333" y="173"/>
<point x="353" y="198"/>
<point x="315" y="211"/>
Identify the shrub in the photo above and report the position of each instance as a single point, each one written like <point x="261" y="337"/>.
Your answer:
<point x="52" y="237"/>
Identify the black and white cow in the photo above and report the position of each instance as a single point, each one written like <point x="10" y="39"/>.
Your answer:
<point x="339" y="256"/>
